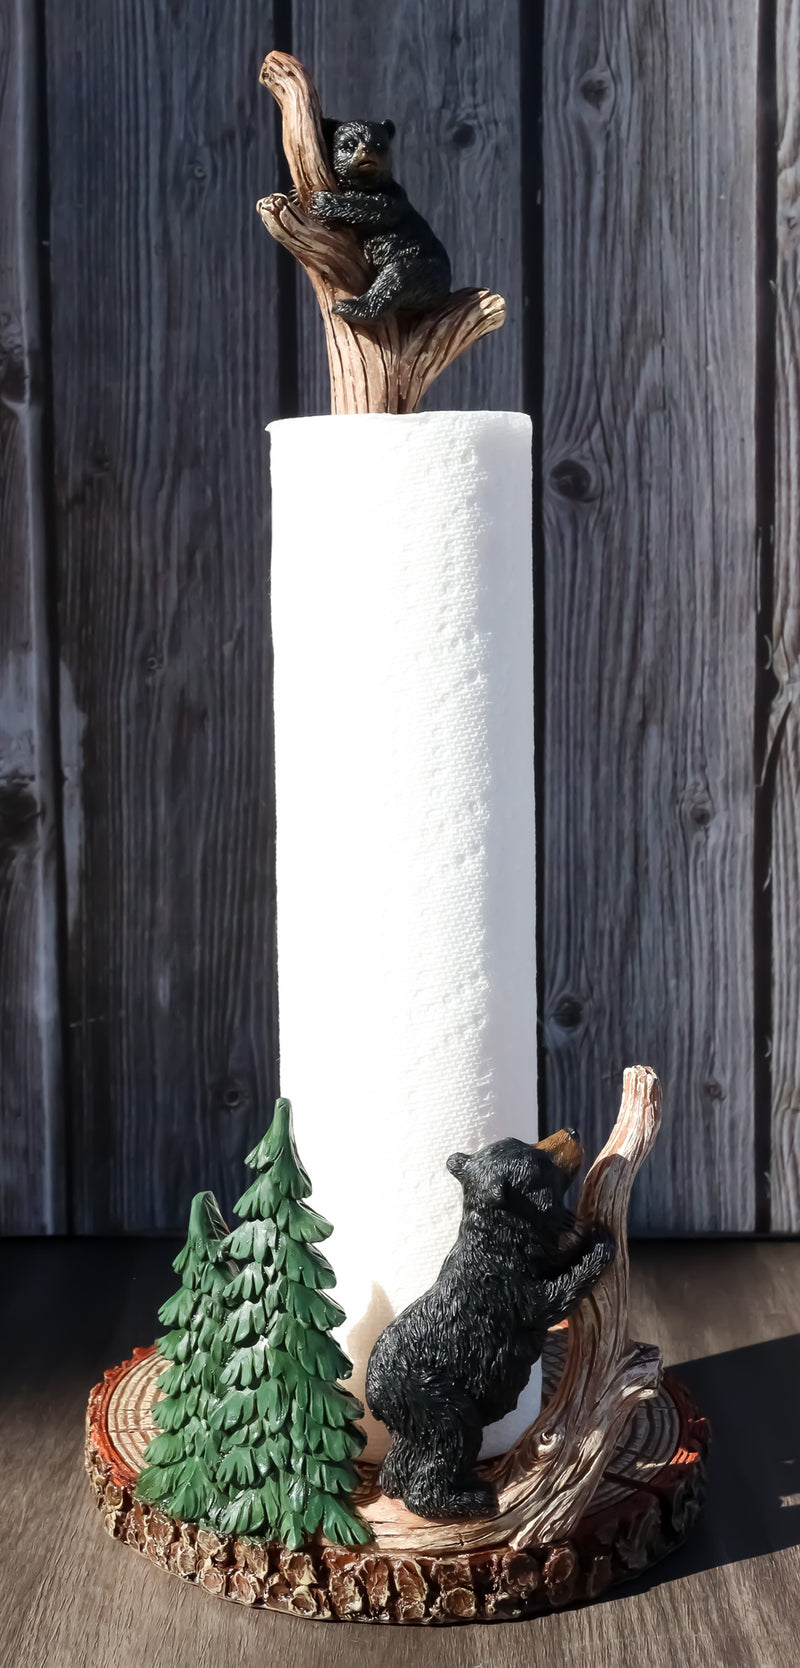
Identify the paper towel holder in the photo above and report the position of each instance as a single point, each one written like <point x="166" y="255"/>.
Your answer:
<point x="385" y="367"/>
<point x="607" y="1481"/>
<point x="610" y="1477"/>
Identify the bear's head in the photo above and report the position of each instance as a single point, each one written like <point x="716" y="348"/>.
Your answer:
<point x="360" y="153"/>
<point x="527" y="1179"/>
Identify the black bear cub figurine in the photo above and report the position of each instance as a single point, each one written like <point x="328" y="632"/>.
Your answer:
<point x="412" y="267"/>
<point x="459" y="1357"/>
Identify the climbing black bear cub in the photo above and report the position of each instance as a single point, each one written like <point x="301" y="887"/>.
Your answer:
<point x="460" y="1356"/>
<point x="412" y="267"/>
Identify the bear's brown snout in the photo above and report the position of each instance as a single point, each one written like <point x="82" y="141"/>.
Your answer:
<point x="565" y="1148"/>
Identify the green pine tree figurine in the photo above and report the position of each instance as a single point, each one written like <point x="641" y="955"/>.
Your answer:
<point x="286" y="1428"/>
<point x="180" y="1463"/>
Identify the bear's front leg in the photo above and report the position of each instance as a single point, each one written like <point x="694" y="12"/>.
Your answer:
<point x="565" y="1290"/>
<point x="328" y="206"/>
<point x="371" y="211"/>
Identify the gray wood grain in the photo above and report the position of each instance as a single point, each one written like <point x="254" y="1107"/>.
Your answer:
<point x="164" y="353"/>
<point x="448" y="78"/>
<point x="649" y="168"/>
<point x="32" y="1190"/>
<point x="166" y="333"/>
<point x="72" y="1598"/>
<point x="785" y="722"/>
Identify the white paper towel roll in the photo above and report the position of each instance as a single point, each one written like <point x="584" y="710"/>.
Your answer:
<point x="403" y="631"/>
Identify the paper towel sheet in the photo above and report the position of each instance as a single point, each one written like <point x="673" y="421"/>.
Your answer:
<point x="403" y="631"/>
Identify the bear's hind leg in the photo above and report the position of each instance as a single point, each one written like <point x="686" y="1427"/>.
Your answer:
<point x="380" y="301"/>
<point x="445" y="1483"/>
<point x="397" y="1468"/>
<point x="415" y="285"/>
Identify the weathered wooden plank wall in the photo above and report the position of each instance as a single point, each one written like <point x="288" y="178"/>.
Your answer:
<point x="652" y="331"/>
<point x="32" y="1176"/>
<point x="164" y="341"/>
<point x="650" y="203"/>
<point x="783" y="760"/>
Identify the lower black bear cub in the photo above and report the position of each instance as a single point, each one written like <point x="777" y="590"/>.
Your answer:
<point x="412" y="267"/>
<point x="460" y="1356"/>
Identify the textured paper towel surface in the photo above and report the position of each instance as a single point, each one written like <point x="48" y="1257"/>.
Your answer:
<point x="402" y="627"/>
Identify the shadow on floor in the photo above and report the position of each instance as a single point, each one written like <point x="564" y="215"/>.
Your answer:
<point x="69" y="1308"/>
<point x="751" y="1397"/>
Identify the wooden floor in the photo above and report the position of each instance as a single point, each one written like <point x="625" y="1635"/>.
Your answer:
<point x="728" y="1314"/>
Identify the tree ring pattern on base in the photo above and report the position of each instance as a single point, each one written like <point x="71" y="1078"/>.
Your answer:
<point x="647" y="1501"/>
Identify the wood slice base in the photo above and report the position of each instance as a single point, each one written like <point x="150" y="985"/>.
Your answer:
<point x="647" y="1502"/>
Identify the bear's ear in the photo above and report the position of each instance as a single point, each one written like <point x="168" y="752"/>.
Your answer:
<point x="457" y="1164"/>
<point x="390" y="129"/>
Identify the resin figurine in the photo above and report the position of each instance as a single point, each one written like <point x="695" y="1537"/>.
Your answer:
<point x="459" y="1357"/>
<point x="411" y="266"/>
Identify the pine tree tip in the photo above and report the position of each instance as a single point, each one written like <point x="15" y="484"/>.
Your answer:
<point x="282" y="1120"/>
<point x="276" y="1138"/>
<point x="206" y="1222"/>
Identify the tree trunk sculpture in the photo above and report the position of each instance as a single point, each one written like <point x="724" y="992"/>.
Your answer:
<point x="376" y="367"/>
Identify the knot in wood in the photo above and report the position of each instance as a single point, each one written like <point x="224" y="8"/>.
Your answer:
<point x="568" y="1012"/>
<point x="698" y="805"/>
<point x="596" y="88"/>
<point x="462" y="135"/>
<point x="571" y="479"/>
<point x="549" y="1442"/>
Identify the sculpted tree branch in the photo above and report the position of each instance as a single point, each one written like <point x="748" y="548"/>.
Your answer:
<point x="546" y="1481"/>
<point x="387" y="364"/>
<point x="552" y="1474"/>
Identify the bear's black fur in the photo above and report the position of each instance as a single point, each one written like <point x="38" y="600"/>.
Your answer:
<point x="460" y="1356"/>
<point x="411" y="265"/>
